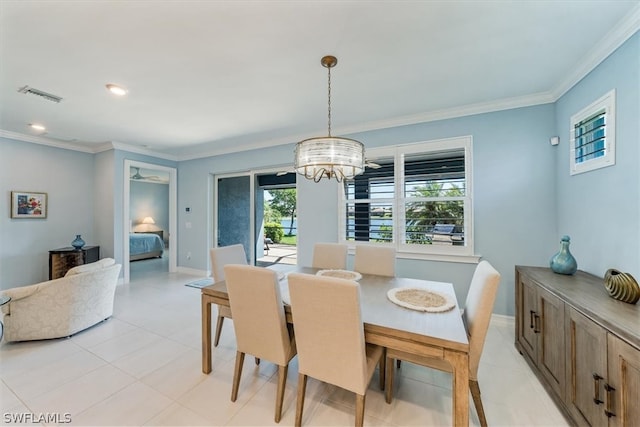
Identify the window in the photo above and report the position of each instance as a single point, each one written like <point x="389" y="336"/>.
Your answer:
<point x="416" y="197"/>
<point x="592" y="139"/>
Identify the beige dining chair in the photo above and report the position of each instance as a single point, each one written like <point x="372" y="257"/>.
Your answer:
<point x="330" y="338"/>
<point x="476" y="317"/>
<point x="330" y="256"/>
<point x="260" y="323"/>
<point x="221" y="256"/>
<point x="378" y="260"/>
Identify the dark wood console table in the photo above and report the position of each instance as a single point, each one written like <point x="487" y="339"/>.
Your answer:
<point x="63" y="259"/>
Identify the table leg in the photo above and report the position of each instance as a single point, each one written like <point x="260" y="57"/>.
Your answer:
<point x="460" y="377"/>
<point x="206" y="335"/>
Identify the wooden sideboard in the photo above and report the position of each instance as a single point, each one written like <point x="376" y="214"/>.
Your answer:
<point x="583" y="345"/>
<point x="64" y="259"/>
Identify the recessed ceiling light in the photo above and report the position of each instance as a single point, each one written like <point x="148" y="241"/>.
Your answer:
<point x="37" y="126"/>
<point x="117" y="90"/>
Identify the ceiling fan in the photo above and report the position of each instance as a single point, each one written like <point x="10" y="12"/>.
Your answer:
<point x="367" y="164"/>
<point x="137" y="176"/>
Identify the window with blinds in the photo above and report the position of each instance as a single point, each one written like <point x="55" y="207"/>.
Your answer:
<point x="592" y="141"/>
<point x="415" y="197"/>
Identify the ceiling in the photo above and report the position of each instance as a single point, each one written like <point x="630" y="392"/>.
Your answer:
<point x="209" y="77"/>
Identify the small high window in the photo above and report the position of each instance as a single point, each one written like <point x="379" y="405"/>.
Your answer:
<point x="592" y="140"/>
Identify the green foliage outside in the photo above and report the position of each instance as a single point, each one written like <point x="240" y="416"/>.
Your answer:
<point x="422" y="216"/>
<point x="289" y="240"/>
<point x="284" y="202"/>
<point x="273" y="231"/>
<point x="270" y="214"/>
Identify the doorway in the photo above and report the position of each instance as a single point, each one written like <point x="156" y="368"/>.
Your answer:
<point x="150" y="200"/>
<point x="242" y="214"/>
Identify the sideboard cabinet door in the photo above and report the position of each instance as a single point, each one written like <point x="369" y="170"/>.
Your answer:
<point x="623" y="394"/>
<point x="586" y="369"/>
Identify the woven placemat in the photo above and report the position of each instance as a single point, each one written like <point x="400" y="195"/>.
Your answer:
<point x="421" y="299"/>
<point x="340" y="274"/>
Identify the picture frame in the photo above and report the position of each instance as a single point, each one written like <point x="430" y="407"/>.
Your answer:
<point x="28" y="204"/>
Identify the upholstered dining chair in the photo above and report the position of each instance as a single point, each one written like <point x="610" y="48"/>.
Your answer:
<point x="330" y="338"/>
<point x="330" y="256"/>
<point x="476" y="317"/>
<point x="378" y="260"/>
<point x="221" y="256"/>
<point x="260" y="323"/>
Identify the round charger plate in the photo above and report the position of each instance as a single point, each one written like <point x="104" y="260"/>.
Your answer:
<point x="340" y="274"/>
<point x="421" y="299"/>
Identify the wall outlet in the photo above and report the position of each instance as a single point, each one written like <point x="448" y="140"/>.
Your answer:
<point x="188" y="255"/>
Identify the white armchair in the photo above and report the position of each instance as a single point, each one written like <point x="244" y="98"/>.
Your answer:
<point x="61" y="307"/>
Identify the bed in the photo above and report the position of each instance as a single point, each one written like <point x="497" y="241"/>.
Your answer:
<point x="144" y="246"/>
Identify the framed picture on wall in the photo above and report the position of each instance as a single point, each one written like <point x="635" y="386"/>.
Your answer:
<point x="27" y="204"/>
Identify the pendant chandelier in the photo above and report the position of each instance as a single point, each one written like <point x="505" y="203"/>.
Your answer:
<point x="329" y="156"/>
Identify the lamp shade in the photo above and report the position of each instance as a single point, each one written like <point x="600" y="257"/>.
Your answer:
<point x="148" y="220"/>
<point x="329" y="157"/>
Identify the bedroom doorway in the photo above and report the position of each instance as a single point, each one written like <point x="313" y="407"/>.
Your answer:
<point x="149" y="219"/>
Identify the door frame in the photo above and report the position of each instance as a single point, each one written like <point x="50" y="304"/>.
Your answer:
<point x="126" y="217"/>
<point x="252" y="174"/>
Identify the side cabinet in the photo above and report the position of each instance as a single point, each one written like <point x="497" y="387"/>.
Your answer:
<point x="622" y="393"/>
<point x="586" y="369"/>
<point x="583" y="345"/>
<point x="541" y="332"/>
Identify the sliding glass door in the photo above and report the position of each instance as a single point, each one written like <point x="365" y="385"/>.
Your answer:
<point x="239" y="215"/>
<point x="234" y="207"/>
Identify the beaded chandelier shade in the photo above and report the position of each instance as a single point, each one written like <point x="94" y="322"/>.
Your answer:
<point x="329" y="156"/>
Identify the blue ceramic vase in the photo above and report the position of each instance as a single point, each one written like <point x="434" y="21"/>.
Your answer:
<point x="563" y="262"/>
<point x="77" y="243"/>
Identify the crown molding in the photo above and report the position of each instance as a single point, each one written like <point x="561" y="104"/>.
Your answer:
<point x="450" y="113"/>
<point x="91" y="149"/>
<point x="42" y="140"/>
<point x="612" y="41"/>
<point x="141" y="150"/>
<point x="622" y="32"/>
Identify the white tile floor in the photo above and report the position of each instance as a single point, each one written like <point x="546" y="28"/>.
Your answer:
<point x="143" y="367"/>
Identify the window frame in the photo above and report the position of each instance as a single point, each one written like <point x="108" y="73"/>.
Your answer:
<point x="605" y="104"/>
<point x="451" y="253"/>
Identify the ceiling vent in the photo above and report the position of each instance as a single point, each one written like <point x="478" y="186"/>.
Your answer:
<point x="40" y="93"/>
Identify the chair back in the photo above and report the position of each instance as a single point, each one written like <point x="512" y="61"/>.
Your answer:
<point x="379" y="260"/>
<point x="258" y="313"/>
<point x="223" y="255"/>
<point x="329" y="330"/>
<point x="478" y="309"/>
<point x="330" y="256"/>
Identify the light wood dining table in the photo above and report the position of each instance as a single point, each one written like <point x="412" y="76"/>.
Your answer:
<point x="438" y="335"/>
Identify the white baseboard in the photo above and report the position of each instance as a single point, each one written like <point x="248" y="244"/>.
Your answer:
<point x="193" y="271"/>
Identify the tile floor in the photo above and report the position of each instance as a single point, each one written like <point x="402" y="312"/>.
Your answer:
<point x="143" y="367"/>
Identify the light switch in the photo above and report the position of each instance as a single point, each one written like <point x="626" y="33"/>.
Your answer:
<point x="187" y="224"/>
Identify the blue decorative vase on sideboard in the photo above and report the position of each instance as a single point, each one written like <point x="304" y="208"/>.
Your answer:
<point x="563" y="262"/>
<point x="77" y="243"/>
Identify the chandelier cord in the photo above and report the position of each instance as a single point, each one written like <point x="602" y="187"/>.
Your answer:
<point x="329" y="99"/>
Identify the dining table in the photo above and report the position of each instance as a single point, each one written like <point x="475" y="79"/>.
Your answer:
<point x="439" y="335"/>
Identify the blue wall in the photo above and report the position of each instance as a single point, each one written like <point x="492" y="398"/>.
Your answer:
<point x="524" y="198"/>
<point x="600" y="209"/>
<point x="149" y="199"/>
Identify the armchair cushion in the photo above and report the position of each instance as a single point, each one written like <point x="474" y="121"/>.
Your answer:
<point x="86" y="268"/>
<point x="61" y="307"/>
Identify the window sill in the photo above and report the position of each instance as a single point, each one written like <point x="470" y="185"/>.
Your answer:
<point x="464" y="259"/>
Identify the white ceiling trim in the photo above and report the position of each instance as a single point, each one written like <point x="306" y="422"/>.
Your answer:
<point x="613" y="40"/>
<point x="41" y="140"/>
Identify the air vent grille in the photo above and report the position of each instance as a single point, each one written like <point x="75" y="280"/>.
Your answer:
<point x="40" y="93"/>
